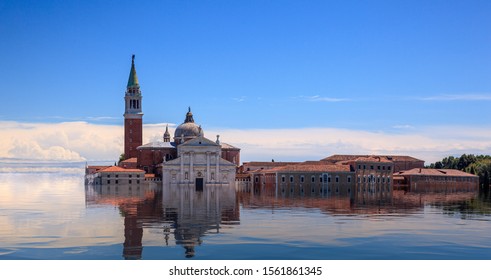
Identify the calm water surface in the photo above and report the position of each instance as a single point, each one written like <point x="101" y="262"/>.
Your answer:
<point x="46" y="212"/>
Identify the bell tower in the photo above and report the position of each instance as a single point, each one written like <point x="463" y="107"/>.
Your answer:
<point x="132" y="114"/>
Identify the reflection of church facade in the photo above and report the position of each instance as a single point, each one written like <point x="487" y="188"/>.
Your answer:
<point x="189" y="159"/>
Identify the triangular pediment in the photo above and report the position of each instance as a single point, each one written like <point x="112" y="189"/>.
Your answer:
<point x="199" y="141"/>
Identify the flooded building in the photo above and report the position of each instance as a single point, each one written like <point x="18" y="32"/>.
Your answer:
<point x="152" y="157"/>
<point x="401" y="162"/>
<point x="436" y="180"/>
<point x="362" y="176"/>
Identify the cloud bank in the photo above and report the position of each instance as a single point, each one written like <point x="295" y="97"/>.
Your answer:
<point x="82" y="141"/>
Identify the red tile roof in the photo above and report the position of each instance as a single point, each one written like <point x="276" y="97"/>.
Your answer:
<point x="130" y="160"/>
<point x="268" y="163"/>
<point x="394" y="158"/>
<point x="435" y="172"/>
<point x="372" y="159"/>
<point x="310" y="168"/>
<point x="120" y="169"/>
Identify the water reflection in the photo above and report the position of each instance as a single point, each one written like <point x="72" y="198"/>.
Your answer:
<point x="194" y="213"/>
<point x="186" y="217"/>
<point x="464" y="200"/>
<point x="139" y="205"/>
<point x="183" y="213"/>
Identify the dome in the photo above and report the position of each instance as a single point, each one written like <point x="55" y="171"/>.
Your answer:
<point x="188" y="129"/>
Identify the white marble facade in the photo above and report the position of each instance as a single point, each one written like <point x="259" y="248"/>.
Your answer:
<point x="199" y="162"/>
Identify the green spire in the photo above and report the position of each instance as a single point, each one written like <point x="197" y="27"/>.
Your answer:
<point x="133" y="79"/>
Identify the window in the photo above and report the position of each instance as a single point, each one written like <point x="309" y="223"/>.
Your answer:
<point x="320" y="179"/>
<point x="359" y="166"/>
<point x="186" y="175"/>
<point x="116" y="181"/>
<point x="256" y="179"/>
<point x="383" y="167"/>
<point x="388" y="167"/>
<point x="302" y="179"/>
<point x="371" y="167"/>
<point x="137" y="176"/>
<point x="337" y="179"/>
<point x="129" y="181"/>
<point x="349" y="179"/>
<point x="117" y="176"/>
<point x="109" y="182"/>
<point x="129" y="175"/>
<point x="378" y="167"/>
<point x="329" y="179"/>
<point x="364" y="167"/>
<point x="359" y="179"/>
<point x="138" y="181"/>
<point x="313" y="179"/>
<point x="283" y="179"/>
<point x="291" y="179"/>
<point x="108" y="176"/>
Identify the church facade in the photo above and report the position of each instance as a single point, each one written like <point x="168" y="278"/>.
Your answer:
<point x="190" y="158"/>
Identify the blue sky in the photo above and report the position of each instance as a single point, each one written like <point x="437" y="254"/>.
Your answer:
<point x="392" y="67"/>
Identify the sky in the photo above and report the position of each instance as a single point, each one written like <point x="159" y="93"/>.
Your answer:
<point x="283" y="80"/>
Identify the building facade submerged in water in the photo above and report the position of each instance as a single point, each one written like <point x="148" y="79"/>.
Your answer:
<point x="189" y="159"/>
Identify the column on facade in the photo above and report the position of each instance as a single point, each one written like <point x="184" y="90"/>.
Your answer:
<point x="217" y="168"/>
<point x="181" y="174"/>
<point x="191" y="175"/>
<point x="208" y="167"/>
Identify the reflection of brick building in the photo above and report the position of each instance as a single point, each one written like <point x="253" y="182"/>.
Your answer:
<point x="138" y="204"/>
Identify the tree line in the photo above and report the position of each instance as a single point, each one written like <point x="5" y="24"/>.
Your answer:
<point x="479" y="165"/>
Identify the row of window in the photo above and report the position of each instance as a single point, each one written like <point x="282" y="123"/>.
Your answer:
<point x="117" y="189"/>
<point x="373" y="179"/>
<point x="312" y="179"/>
<point x="372" y="167"/>
<point x="321" y="190"/>
<point x="373" y="190"/>
<point x="117" y="176"/>
<point x="441" y="178"/>
<point x="117" y="181"/>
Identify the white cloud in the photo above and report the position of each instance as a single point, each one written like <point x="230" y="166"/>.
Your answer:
<point x="430" y="144"/>
<point x="317" y="98"/>
<point x="403" y="126"/>
<point x="81" y="140"/>
<point x="457" y="97"/>
<point x="239" y="99"/>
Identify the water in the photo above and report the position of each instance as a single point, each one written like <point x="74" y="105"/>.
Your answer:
<point x="46" y="212"/>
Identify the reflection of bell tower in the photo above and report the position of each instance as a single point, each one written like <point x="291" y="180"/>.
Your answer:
<point x="133" y="235"/>
<point x="132" y="114"/>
